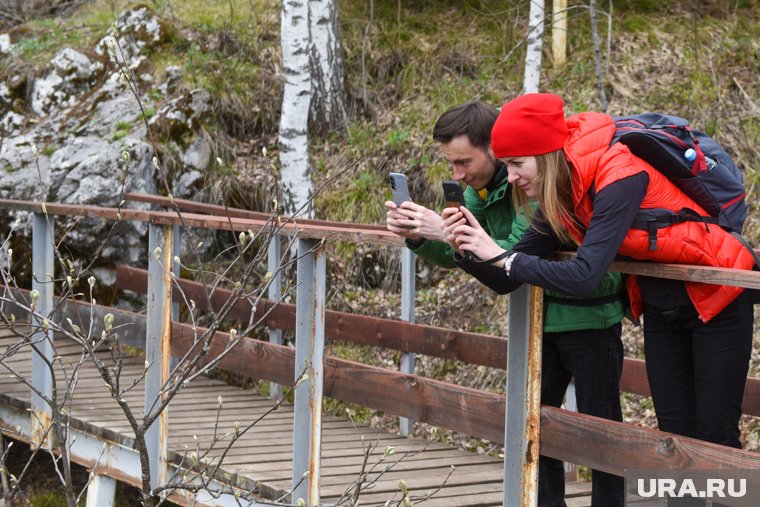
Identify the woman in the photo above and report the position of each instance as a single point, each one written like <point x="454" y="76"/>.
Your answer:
<point x="697" y="337"/>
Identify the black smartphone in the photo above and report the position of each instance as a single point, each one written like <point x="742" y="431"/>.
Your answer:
<point x="452" y="194"/>
<point x="399" y="188"/>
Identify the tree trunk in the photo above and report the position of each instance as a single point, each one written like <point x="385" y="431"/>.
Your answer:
<point x="328" y="103"/>
<point x="293" y="140"/>
<point x="559" y="32"/>
<point x="597" y="56"/>
<point x="534" y="46"/>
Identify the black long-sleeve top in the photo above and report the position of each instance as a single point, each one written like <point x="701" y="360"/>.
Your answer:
<point x="614" y="209"/>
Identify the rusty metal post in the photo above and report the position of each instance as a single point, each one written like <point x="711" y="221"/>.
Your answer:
<point x="274" y="254"/>
<point x="158" y="346"/>
<point x="523" y="413"/>
<point x="43" y="250"/>
<point x="408" y="359"/>
<point x="310" y="342"/>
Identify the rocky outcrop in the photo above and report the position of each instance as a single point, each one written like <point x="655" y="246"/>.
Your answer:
<point x="72" y="74"/>
<point x="75" y="133"/>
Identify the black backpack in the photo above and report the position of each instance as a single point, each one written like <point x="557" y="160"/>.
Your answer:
<point x="695" y="163"/>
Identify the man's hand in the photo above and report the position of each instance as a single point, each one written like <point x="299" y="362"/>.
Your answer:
<point x="410" y="220"/>
<point x="468" y="238"/>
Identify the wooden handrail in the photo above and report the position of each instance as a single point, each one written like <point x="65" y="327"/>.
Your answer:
<point x="359" y="233"/>
<point x="77" y="210"/>
<point x="685" y="272"/>
<point x="187" y="205"/>
<point x="720" y="276"/>
<point x="356" y="233"/>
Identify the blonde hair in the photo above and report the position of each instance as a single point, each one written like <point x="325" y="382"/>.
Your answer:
<point x="554" y="196"/>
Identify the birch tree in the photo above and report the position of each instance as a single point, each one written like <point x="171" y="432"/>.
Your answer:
<point x="296" y="101"/>
<point x="328" y="103"/>
<point x="534" y="47"/>
<point x="314" y="97"/>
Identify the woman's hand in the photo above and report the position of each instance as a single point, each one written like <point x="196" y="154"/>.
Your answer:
<point x="452" y="218"/>
<point x="468" y="238"/>
<point x="410" y="220"/>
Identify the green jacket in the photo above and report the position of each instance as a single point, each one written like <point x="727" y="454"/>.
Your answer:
<point x="506" y="226"/>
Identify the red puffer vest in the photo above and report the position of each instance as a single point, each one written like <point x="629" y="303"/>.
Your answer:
<point x="595" y="163"/>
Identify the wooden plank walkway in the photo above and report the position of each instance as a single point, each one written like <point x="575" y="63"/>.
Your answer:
<point x="264" y="454"/>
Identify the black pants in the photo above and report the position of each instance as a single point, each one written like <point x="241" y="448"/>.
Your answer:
<point x="594" y="357"/>
<point x="697" y="371"/>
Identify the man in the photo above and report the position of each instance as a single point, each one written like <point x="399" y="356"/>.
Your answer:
<point x="581" y="336"/>
<point x="464" y="134"/>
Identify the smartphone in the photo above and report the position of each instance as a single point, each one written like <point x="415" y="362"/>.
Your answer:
<point x="400" y="188"/>
<point x="452" y="194"/>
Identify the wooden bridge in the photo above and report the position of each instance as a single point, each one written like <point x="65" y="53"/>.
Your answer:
<point x="263" y="455"/>
<point x="294" y="451"/>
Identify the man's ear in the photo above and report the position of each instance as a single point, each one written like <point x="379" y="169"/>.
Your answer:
<point x="490" y="152"/>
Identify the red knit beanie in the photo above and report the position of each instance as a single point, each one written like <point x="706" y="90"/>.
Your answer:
<point x="532" y="124"/>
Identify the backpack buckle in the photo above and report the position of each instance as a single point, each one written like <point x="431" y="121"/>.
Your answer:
<point x="652" y="227"/>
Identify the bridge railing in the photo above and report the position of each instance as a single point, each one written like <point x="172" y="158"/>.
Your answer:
<point x="597" y="443"/>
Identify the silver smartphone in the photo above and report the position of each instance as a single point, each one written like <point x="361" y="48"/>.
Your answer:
<point x="399" y="188"/>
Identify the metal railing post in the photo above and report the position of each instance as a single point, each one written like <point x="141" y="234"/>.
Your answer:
<point x="157" y="346"/>
<point x="408" y="359"/>
<point x="176" y="239"/>
<point x="101" y="492"/>
<point x="274" y="254"/>
<point x="176" y="242"/>
<point x="43" y="274"/>
<point x="523" y="388"/>
<point x="310" y="341"/>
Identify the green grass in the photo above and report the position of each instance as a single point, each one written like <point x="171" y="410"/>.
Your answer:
<point x="357" y="413"/>
<point x="396" y="137"/>
<point x="150" y="112"/>
<point x="29" y="46"/>
<point x="634" y="23"/>
<point x="48" y="500"/>
<point x="38" y="48"/>
<point x="645" y="6"/>
<point x="50" y="149"/>
<point x="363" y="196"/>
<point x="121" y="129"/>
<point x="44" y="37"/>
